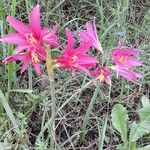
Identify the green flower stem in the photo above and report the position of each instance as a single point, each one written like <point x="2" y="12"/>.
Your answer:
<point x="50" y="67"/>
<point x="30" y="77"/>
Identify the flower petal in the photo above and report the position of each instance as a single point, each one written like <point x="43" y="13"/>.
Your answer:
<point x="35" y="23"/>
<point x="37" y="68"/>
<point x="14" y="38"/>
<point x="26" y="63"/>
<point x="18" y="26"/>
<point x="70" y="41"/>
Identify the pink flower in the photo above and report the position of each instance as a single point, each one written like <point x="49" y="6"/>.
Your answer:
<point x="76" y="59"/>
<point x="90" y="35"/>
<point x="124" y="60"/>
<point x="26" y="58"/>
<point x="30" y="39"/>
<point x="102" y="74"/>
<point x="123" y="56"/>
<point x="32" y="36"/>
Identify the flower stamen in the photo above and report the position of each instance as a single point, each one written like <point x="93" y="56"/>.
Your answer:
<point x="31" y="39"/>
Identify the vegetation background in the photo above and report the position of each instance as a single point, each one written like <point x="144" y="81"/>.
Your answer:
<point x="115" y="19"/>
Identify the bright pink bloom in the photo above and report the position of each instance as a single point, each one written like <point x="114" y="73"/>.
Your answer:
<point x="30" y="39"/>
<point x="76" y="59"/>
<point x="90" y="35"/>
<point x="123" y="56"/>
<point x="102" y="74"/>
<point x="124" y="60"/>
<point x="32" y="36"/>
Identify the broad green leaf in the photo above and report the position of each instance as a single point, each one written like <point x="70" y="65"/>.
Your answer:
<point x="144" y="112"/>
<point x="139" y="130"/>
<point x="5" y="146"/>
<point x="119" y="118"/>
<point x="145" y="101"/>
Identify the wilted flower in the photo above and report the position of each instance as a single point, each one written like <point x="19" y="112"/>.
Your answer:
<point x="102" y="74"/>
<point x="75" y="59"/>
<point x="30" y="39"/>
<point x="90" y="35"/>
<point x="124" y="60"/>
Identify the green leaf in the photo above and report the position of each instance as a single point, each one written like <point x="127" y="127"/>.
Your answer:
<point x="145" y="111"/>
<point x="5" y="146"/>
<point x="119" y="118"/>
<point x="9" y="111"/>
<point x="139" y="130"/>
<point x="145" y="101"/>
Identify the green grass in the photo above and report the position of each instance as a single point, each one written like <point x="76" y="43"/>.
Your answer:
<point x="115" y="20"/>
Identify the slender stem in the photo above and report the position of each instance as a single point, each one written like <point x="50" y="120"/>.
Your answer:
<point x="30" y="77"/>
<point x="50" y="67"/>
<point x="53" y="99"/>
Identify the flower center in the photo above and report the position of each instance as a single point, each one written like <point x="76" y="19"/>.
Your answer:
<point x="123" y="59"/>
<point x="31" y="39"/>
<point x="101" y="75"/>
<point x="35" y="58"/>
<point x="73" y="58"/>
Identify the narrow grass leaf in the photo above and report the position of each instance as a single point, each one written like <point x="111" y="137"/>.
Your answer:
<point x="86" y="119"/>
<point x="8" y="110"/>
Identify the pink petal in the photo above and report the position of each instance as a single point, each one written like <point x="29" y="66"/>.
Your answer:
<point x="14" y="38"/>
<point x="35" y="22"/>
<point x="134" y="62"/>
<point x="20" y="48"/>
<point x="25" y="64"/>
<point x="9" y="59"/>
<point x="70" y="41"/>
<point x="37" y="68"/>
<point x="18" y="26"/>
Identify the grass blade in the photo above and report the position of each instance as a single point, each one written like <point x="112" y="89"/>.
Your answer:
<point x="8" y="110"/>
<point x="86" y="119"/>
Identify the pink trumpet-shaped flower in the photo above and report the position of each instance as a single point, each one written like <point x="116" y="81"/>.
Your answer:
<point x="90" y="35"/>
<point x="124" y="60"/>
<point x="31" y="36"/>
<point x="30" y="40"/>
<point x="102" y="74"/>
<point x="76" y="59"/>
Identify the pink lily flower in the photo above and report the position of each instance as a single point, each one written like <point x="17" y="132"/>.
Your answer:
<point x="30" y="39"/>
<point x="31" y="36"/>
<point x="75" y="59"/>
<point x="124" y="60"/>
<point x="123" y="56"/>
<point x="102" y="74"/>
<point x="90" y="35"/>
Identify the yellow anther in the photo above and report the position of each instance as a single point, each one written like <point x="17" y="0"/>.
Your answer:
<point x="123" y="59"/>
<point x="35" y="58"/>
<point x="31" y="39"/>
